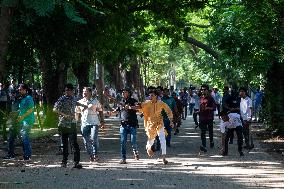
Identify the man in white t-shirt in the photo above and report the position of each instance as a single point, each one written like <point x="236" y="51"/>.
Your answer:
<point x="231" y="122"/>
<point x="246" y="115"/>
<point x="91" y="113"/>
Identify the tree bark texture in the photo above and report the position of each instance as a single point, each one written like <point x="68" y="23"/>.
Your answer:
<point x="5" y="23"/>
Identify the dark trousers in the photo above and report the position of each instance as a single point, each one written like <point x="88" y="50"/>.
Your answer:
<point x="247" y="133"/>
<point x="204" y="126"/>
<point x="70" y="135"/>
<point x="229" y="133"/>
<point x="184" y="114"/>
<point x="195" y="116"/>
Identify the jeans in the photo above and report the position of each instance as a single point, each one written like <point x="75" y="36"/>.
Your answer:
<point x="169" y="131"/>
<point x="90" y="137"/>
<point x="239" y="132"/>
<point x="70" y="135"/>
<point x="191" y="106"/>
<point x="124" y="130"/>
<point x="204" y="126"/>
<point x="24" y="131"/>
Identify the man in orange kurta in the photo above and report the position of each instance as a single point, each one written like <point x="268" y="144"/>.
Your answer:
<point x="153" y="122"/>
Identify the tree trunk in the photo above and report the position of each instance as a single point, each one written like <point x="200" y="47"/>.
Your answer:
<point x="81" y="71"/>
<point x="54" y="76"/>
<point x="100" y="81"/>
<point x="5" y="23"/>
<point x="274" y="98"/>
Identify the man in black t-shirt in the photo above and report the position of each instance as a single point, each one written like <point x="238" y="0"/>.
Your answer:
<point x="129" y="125"/>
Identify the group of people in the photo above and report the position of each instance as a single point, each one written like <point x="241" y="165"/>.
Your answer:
<point x="163" y="111"/>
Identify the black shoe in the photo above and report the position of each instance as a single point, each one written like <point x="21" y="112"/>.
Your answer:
<point x="60" y="152"/>
<point x="231" y="142"/>
<point x="242" y="154"/>
<point x="203" y="149"/>
<point x="211" y="144"/>
<point x="136" y="156"/>
<point x="224" y="154"/>
<point x="248" y="147"/>
<point x="9" y="157"/>
<point x="122" y="161"/>
<point x="63" y="164"/>
<point x="26" y="158"/>
<point x="78" y="166"/>
<point x="196" y="126"/>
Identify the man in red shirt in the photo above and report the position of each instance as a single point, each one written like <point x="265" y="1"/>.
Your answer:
<point x="206" y="116"/>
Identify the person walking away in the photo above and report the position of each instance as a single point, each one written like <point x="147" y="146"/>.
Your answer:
<point x="196" y="108"/>
<point x="4" y="98"/>
<point x="91" y="113"/>
<point x="65" y="108"/>
<point x="25" y="121"/>
<point x="217" y="97"/>
<point x="191" y="101"/>
<point x="206" y="116"/>
<point x="178" y="115"/>
<point x="184" y="99"/>
<point x="246" y="115"/>
<point x="231" y="122"/>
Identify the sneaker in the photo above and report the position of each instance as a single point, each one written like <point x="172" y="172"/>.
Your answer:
<point x="242" y="154"/>
<point x="136" y="156"/>
<point x="122" y="161"/>
<point x="211" y="144"/>
<point x="94" y="158"/>
<point x="63" y="164"/>
<point x="203" y="149"/>
<point x="150" y="152"/>
<point x="165" y="161"/>
<point x="78" y="166"/>
<point x="9" y="157"/>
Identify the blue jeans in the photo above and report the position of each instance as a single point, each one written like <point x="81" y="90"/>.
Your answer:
<point x="169" y="131"/>
<point x="90" y="137"/>
<point x="124" y="130"/>
<point x="24" y="131"/>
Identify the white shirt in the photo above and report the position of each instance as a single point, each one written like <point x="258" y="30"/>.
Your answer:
<point x="234" y="121"/>
<point x="245" y="108"/>
<point x="89" y="115"/>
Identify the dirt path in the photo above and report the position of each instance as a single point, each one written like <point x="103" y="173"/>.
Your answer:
<point x="186" y="169"/>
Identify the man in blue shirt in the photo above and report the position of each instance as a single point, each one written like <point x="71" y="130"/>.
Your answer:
<point x="25" y="122"/>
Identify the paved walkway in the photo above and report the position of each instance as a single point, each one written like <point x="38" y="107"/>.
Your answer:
<point x="187" y="168"/>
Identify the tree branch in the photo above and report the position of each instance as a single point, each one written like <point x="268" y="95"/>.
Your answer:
<point x="199" y="44"/>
